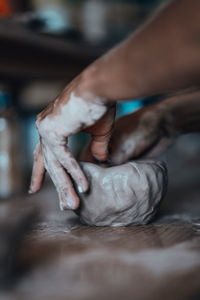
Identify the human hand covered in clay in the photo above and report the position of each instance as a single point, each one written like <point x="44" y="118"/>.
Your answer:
<point x="144" y="133"/>
<point x="70" y="112"/>
<point x="150" y="130"/>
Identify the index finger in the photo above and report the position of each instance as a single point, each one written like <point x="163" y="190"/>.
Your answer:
<point x="38" y="171"/>
<point x="66" y="159"/>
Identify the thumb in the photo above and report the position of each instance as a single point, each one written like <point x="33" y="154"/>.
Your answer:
<point x="101" y="133"/>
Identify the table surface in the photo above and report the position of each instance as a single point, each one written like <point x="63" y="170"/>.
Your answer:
<point x="66" y="260"/>
<point x="61" y="259"/>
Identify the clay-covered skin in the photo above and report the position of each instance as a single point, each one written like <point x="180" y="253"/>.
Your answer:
<point x="122" y="195"/>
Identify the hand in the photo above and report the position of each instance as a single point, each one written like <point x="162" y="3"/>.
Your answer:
<point x="150" y="130"/>
<point x="145" y="132"/>
<point x="75" y="109"/>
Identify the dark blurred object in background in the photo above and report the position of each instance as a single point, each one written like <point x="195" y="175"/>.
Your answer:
<point x="97" y="22"/>
<point x="5" y="8"/>
<point x="11" y="147"/>
<point x="10" y="7"/>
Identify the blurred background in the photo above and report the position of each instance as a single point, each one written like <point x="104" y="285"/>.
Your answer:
<point x="44" y="44"/>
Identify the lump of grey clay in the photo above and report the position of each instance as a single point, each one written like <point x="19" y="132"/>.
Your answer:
<point x="122" y="195"/>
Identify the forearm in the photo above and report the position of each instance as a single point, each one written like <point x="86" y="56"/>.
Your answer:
<point x="160" y="57"/>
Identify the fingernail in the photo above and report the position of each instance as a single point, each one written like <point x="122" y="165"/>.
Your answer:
<point x="30" y="191"/>
<point x="80" y="189"/>
<point x="83" y="187"/>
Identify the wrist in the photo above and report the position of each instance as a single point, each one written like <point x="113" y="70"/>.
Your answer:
<point x="90" y="86"/>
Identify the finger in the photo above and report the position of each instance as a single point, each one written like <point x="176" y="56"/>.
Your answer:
<point x="101" y="134"/>
<point x="99" y="147"/>
<point x="86" y="154"/>
<point x="38" y="171"/>
<point x="67" y="195"/>
<point x="66" y="159"/>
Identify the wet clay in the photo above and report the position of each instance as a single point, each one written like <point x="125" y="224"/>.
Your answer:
<point x="122" y="195"/>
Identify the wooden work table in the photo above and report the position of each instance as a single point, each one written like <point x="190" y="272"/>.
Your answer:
<point x="62" y="259"/>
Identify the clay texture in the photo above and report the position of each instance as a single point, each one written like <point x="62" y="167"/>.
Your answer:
<point x="122" y="195"/>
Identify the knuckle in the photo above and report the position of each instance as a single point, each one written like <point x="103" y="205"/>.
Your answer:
<point x="42" y="130"/>
<point x="38" y="120"/>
